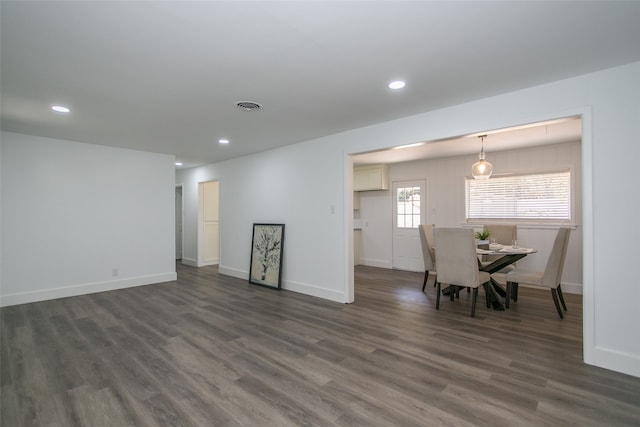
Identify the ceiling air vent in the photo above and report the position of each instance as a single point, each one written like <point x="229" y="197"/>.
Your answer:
<point x="248" y="106"/>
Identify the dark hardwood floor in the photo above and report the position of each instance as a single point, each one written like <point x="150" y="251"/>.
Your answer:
<point x="210" y="350"/>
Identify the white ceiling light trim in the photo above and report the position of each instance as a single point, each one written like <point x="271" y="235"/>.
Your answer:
<point x="223" y="141"/>
<point x="60" y="109"/>
<point x="400" y="147"/>
<point x="397" y="84"/>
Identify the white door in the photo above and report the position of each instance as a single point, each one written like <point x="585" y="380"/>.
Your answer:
<point x="178" y="222"/>
<point x="409" y="211"/>
<point x="209" y="224"/>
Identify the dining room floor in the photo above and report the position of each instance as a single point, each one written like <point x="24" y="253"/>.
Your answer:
<point x="212" y="350"/>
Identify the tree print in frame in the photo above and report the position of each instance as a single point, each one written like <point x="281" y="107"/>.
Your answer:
<point x="266" y="255"/>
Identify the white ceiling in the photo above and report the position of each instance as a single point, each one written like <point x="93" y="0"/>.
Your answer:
<point x="164" y="76"/>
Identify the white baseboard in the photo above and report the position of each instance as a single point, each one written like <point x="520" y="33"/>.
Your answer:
<point x="207" y="263"/>
<point x="301" y="288"/>
<point x="624" y="363"/>
<point x="240" y="274"/>
<point x="83" y="289"/>
<point x="190" y="262"/>
<point x="567" y="288"/>
<point x="212" y="261"/>
<point x="412" y="270"/>
<point x="315" y="291"/>
<point x="381" y="263"/>
<point x="194" y="263"/>
<point x="572" y="288"/>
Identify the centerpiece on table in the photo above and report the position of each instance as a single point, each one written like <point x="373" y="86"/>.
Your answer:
<point x="482" y="239"/>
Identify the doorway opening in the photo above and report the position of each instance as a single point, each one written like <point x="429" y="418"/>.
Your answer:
<point x="179" y="222"/>
<point x="571" y="134"/>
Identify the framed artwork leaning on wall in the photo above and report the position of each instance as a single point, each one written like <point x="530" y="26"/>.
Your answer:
<point x="266" y="255"/>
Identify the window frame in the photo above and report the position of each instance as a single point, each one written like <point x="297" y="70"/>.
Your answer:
<point x="528" y="221"/>
<point x="412" y="214"/>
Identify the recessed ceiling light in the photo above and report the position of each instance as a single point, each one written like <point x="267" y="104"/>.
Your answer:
<point x="60" y="109"/>
<point x="398" y="84"/>
<point x="178" y="163"/>
<point x="223" y="141"/>
<point x="400" y="147"/>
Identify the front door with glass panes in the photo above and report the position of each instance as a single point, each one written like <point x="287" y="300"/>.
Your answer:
<point x="409" y="211"/>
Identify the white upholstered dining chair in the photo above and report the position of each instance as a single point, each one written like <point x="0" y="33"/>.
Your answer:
<point x="503" y="233"/>
<point x="428" y="254"/>
<point x="550" y="277"/>
<point x="458" y="262"/>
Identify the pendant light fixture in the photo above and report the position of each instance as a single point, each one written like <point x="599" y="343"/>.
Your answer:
<point x="482" y="169"/>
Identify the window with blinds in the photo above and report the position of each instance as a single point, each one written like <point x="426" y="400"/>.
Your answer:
<point x="532" y="197"/>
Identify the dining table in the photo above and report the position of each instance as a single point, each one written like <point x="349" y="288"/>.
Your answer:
<point x="508" y="255"/>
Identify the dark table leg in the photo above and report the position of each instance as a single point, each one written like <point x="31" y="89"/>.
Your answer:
<point x="446" y="291"/>
<point x="493" y="288"/>
<point x="493" y="296"/>
<point x="514" y="291"/>
<point x="492" y="293"/>
<point x="498" y="288"/>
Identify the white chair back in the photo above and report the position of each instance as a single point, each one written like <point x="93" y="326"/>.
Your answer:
<point x="426" y="239"/>
<point x="503" y="233"/>
<point x="456" y="257"/>
<point x="555" y="263"/>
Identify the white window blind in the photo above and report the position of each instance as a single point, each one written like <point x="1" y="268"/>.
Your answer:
<point x="538" y="197"/>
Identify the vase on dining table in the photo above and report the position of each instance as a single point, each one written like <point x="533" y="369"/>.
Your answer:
<point x="482" y="244"/>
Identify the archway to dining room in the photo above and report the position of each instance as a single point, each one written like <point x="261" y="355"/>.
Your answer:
<point x="563" y="144"/>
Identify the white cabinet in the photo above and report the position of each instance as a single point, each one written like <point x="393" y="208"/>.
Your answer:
<point x="371" y="177"/>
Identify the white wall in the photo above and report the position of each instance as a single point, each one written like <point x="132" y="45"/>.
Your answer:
<point x="445" y="199"/>
<point x="298" y="185"/>
<point x="73" y="212"/>
<point x="277" y="187"/>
